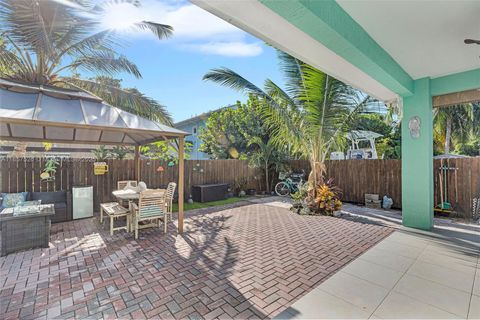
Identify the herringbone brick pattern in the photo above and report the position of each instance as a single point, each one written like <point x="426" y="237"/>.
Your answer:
<point x="246" y="262"/>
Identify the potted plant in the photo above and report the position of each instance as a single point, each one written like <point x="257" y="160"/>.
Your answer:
<point x="299" y="199"/>
<point x="327" y="200"/>
<point x="48" y="173"/>
<point x="240" y="185"/>
<point x="101" y="153"/>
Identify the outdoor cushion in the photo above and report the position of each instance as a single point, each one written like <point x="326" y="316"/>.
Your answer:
<point x="49" y="197"/>
<point x="10" y="200"/>
<point x="152" y="210"/>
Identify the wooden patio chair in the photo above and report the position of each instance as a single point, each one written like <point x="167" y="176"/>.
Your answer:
<point x="122" y="184"/>
<point x="169" y="199"/>
<point x="151" y="206"/>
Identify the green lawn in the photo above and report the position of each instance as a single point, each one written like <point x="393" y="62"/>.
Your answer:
<point x="199" y="205"/>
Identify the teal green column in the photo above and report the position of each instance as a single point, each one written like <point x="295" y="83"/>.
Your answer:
<point x="417" y="158"/>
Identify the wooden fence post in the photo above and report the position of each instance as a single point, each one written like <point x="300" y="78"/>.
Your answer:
<point x="181" y="168"/>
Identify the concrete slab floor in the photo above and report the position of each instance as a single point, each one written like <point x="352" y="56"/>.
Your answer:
<point x="409" y="275"/>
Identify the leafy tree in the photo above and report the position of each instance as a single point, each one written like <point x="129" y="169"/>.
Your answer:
<point x="227" y="132"/>
<point x="165" y="150"/>
<point x="311" y="115"/>
<point x="371" y="122"/>
<point x="47" y="41"/>
<point x="390" y="146"/>
<point x="268" y="157"/>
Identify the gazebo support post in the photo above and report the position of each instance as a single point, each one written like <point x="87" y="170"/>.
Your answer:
<point x="137" y="163"/>
<point x="181" y="169"/>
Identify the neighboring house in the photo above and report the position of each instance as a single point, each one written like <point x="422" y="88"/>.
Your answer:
<point x="193" y="126"/>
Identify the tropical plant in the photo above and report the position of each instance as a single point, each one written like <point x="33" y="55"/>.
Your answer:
<point x="310" y="116"/>
<point x="240" y="185"/>
<point x="298" y="197"/>
<point x="371" y="122"/>
<point x="46" y="42"/>
<point x="165" y="151"/>
<point x="227" y="132"/>
<point x="327" y="200"/>
<point x="452" y="124"/>
<point x="101" y="153"/>
<point x="390" y="146"/>
<point x="119" y="152"/>
<point x="267" y="157"/>
<point x="50" y="169"/>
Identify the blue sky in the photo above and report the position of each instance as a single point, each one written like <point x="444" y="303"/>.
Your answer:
<point x="172" y="69"/>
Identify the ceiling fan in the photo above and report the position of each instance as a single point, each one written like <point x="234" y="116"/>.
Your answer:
<point x="471" y="41"/>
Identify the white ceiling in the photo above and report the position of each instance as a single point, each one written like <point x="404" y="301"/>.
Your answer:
<point x="424" y="37"/>
<point x="258" y="20"/>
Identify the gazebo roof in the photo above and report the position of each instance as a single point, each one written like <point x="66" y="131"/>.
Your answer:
<point x="362" y="135"/>
<point x="43" y="113"/>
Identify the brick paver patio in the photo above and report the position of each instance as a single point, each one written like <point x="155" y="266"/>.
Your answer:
<point x="246" y="262"/>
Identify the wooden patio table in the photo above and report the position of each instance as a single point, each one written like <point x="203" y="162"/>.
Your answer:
<point x="127" y="195"/>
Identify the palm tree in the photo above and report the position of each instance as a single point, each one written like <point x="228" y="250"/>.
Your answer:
<point x="310" y="116"/>
<point x="46" y="42"/>
<point x="453" y="123"/>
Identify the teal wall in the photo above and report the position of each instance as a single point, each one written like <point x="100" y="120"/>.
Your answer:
<point x="417" y="159"/>
<point x="326" y="22"/>
<point x="456" y="82"/>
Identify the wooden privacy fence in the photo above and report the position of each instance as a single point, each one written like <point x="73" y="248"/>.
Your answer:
<point x="23" y="174"/>
<point x="384" y="177"/>
<point x="354" y="177"/>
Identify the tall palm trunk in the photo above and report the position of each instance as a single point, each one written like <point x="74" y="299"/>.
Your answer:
<point x="448" y="135"/>
<point x="316" y="174"/>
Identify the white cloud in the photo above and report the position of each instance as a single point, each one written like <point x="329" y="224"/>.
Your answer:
<point x="228" y="49"/>
<point x="194" y="28"/>
<point x="192" y="22"/>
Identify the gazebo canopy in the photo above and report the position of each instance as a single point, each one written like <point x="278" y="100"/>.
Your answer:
<point x="362" y="135"/>
<point x="44" y="113"/>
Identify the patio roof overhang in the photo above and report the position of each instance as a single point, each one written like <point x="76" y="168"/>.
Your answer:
<point x="40" y="113"/>
<point x="378" y="47"/>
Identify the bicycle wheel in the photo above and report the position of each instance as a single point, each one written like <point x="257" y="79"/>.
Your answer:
<point x="282" y="189"/>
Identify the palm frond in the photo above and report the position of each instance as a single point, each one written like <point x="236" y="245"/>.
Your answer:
<point x="35" y="25"/>
<point x="161" y="31"/>
<point x="292" y="68"/>
<point x="104" y="63"/>
<point x="274" y="91"/>
<point x="130" y="100"/>
<point x="14" y="65"/>
<point x="229" y="78"/>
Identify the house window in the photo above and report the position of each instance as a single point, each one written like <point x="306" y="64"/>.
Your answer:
<point x="194" y="130"/>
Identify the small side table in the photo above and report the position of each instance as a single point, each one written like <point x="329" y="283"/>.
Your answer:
<point x="27" y="230"/>
<point x="114" y="211"/>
